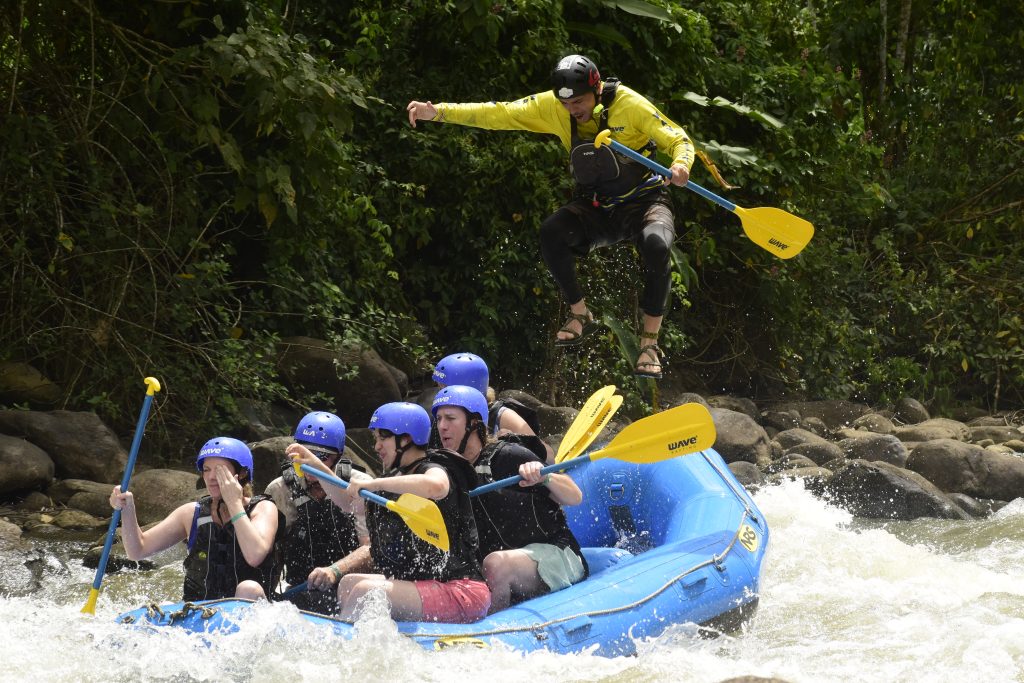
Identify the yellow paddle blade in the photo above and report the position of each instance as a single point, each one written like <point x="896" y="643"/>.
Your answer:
<point x="684" y="429"/>
<point x="588" y="438"/>
<point x="589" y="413"/>
<point x="423" y="517"/>
<point x="778" y="231"/>
<point x="90" y="602"/>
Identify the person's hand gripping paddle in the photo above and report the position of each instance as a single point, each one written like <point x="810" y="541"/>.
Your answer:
<point x="677" y="431"/>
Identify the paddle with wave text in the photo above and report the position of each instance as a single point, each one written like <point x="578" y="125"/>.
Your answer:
<point x="678" y="431"/>
<point x="775" y="230"/>
<point x="590" y="415"/>
<point x="152" y="386"/>
<point x="421" y="515"/>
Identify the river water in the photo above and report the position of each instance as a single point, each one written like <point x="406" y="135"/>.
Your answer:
<point x="842" y="600"/>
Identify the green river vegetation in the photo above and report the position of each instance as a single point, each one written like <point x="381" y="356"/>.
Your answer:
<point x="183" y="184"/>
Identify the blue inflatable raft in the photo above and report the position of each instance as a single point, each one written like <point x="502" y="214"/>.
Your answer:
<point x="668" y="543"/>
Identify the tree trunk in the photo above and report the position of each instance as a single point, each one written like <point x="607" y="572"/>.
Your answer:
<point x="901" y="38"/>
<point x="883" y="53"/>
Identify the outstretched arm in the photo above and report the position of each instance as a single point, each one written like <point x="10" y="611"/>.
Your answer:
<point x="139" y="544"/>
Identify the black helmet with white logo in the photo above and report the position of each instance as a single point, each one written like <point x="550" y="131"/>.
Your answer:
<point x="573" y="76"/>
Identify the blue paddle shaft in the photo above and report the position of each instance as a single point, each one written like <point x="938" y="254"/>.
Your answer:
<point x="115" y="519"/>
<point x="508" y="481"/>
<point x="658" y="168"/>
<point x="331" y="479"/>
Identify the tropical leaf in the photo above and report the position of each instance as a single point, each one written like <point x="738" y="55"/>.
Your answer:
<point x="602" y="32"/>
<point x="704" y="101"/>
<point x="736" y="155"/>
<point x="643" y="9"/>
<point x="627" y="340"/>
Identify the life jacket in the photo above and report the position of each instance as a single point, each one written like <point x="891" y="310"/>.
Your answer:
<point x="321" y="533"/>
<point x="399" y="554"/>
<point x="603" y="176"/>
<point x="215" y="565"/>
<point x="528" y="414"/>
<point x="514" y="517"/>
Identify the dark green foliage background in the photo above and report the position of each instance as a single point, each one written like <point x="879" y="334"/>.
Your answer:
<point x="184" y="183"/>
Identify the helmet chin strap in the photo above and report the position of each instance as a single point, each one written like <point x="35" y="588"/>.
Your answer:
<point x="399" y="452"/>
<point x="475" y="428"/>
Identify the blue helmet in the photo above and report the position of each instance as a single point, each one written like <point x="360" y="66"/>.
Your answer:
<point x="462" y="368"/>
<point x="226" y="447"/>
<point x="467" y="398"/>
<point x="321" y="429"/>
<point x="403" y="418"/>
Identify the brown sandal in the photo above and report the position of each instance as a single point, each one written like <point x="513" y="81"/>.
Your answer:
<point x="588" y="326"/>
<point x="653" y="351"/>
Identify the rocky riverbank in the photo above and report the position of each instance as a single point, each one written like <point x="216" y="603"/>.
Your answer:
<point x="879" y="463"/>
<point x="894" y="462"/>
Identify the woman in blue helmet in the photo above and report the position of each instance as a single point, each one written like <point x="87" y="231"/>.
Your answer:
<point x="526" y="546"/>
<point x="318" y="531"/>
<point x="421" y="582"/>
<point x="231" y="535"/>
<point x="504" y="416"/>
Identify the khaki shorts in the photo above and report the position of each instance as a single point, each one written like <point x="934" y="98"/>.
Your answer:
<point x="558" y="567"/>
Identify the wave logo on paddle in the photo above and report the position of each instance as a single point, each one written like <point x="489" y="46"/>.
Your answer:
<point x="776" y="243"/>
<point x="683" y="443"/>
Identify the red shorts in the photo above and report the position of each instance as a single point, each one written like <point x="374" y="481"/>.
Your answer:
<point x="461" y="601"/>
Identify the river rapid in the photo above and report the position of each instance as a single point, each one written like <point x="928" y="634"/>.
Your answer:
<point x="842" y="600"/>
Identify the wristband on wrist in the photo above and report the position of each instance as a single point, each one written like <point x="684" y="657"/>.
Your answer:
<point x="337" y="573"/>
<point x="546" y="481"/>
<point x="237" y="516"/>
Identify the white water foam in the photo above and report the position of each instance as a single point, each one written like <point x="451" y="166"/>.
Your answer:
<point x="842" y="600"/>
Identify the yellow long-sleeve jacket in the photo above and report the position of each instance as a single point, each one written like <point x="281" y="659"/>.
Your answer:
<point x="632" y="118"/>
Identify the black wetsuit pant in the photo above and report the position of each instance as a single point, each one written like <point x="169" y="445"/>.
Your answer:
<point x="579" y="227"/>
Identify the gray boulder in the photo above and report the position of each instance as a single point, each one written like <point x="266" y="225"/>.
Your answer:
<point x="789" y="461"/>
<point x="815" y="425"/>
<point x="795" y="437"/>
<point x="935" y="428"/>
<point x="995" y="434"/>
<point x="817" y="452"/>
<point x="555" y="419"/>
<point x="873" y="422"/>
<point x="910" y="411"/>
<point x="268" y="458"/>
<point x="737" y="404"/>
<point x="965" y="468"/>
<point x="835" y="414"/>
<point x="62" y="490"/>
<point x="80" y="445"/>
<point x="528" y="400"/>
<point x="354" y="378"/>
<point x="22" y="383"/>
<point x="740" y="438"/>
<point x="95" y="504"/>
<point x="780" y="420"/>
<point x="23" y="466"/>
<point x="875" y="447"/>
<point x="34" y="502"/>
<point x="747" y="474"/>
<point x="158" y="492"/>
<point x="879" y="490"/>
<point x="263" y="420"/>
